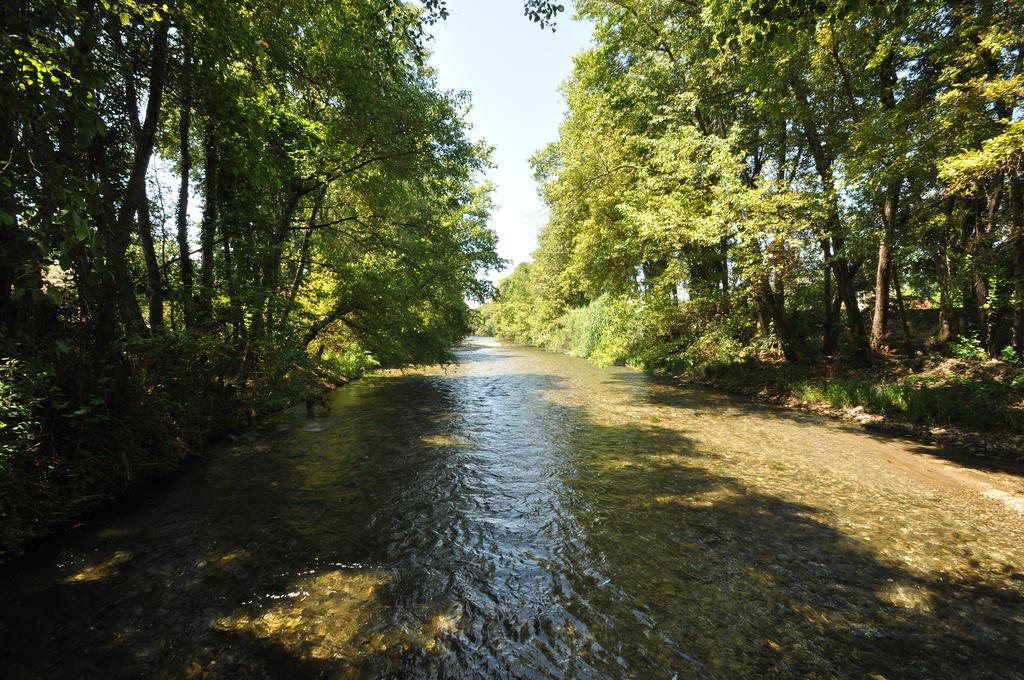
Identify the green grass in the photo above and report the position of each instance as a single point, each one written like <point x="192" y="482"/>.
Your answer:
<point x="846" y="393"/>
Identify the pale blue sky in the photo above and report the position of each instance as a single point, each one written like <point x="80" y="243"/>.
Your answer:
<point x="512" y="69"/>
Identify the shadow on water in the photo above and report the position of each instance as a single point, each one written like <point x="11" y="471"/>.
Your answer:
<point x="461" y="526"/>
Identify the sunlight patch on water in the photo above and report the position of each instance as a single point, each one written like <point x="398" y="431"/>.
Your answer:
<point x="480" y="341"/>
<point x="234" y="555"/>
<point x="338" y="615"/>
<point x="105" y="569"/>
<point x="443" y="440"/>
<point x="1012" y="501"/>
<point x="704" y="499"/>
<point x="906" y="597"/>
<point x="318" y="617"/>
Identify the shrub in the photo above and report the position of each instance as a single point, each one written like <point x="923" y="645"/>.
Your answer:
<point x="348" y="363"/>
<point x="967" y="347"/>
<point x="1009" y="355"/>
<point x="22" y="396"/>
<point x="584" y="327"/>
<point x="626" y="335"/>
<point x="714" y="348"/>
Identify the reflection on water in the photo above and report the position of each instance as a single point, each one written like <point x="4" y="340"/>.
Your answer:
<point x="527" y="515"/>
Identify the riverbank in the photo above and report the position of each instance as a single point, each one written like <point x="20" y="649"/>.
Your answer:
<point x="957" y="399"/>
<point x="972" y="405"/>
<point x="73" y="469"/>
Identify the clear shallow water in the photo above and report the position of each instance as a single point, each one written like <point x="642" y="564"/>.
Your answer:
<point x="524" y="514"/>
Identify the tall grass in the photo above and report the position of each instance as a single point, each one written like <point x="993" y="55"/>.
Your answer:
<point x="347" y="364"/>
<point x="584" y="327"/>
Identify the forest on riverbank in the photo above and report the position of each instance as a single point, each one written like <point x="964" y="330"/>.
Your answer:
<point x="823" y="200"/>
<point x="208" y="209"/>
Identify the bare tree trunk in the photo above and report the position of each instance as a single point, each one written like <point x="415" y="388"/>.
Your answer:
<point x="184" y="250"/>
<point x="979" y="288"/>
<point x="226" y="200"/>
<point x="724" y="247"/>
<point x="209" y="225"/>
<point x="156" y="298"/>
<point x="840" y="266"/>
<point x="879" y="322"/>
<point x="153" y="277"/>
<point x="1017" y="243"/>
<point x="880" y="319"/>
<point x="11" y="240"/>
<point x="236" y="315"/>
<point x="947" y="315"/>
<point x="773" y="302"/>
<point x="340" y="310"/>
<point x="848" y="294"/>
<point x="1005" y="112"/>
<point x="300" y="269"/>
<point x="119" y="237"/>
<point x="901" y="308"/>
<point x="983" y="226"/>
<point x="829" y="337"/>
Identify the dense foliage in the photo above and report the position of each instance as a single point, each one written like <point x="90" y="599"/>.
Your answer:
<point x="341" y="224"/>
<point x="803" y="178"/>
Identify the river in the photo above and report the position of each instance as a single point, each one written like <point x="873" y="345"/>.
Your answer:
<point x="523" y="514"/>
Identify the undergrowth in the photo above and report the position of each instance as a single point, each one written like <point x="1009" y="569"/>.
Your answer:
<point x="706" y="340"/>
<point x="79" y="428"/>
<point x="965" y="399"/>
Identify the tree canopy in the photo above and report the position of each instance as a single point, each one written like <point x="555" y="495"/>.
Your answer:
<point x="783" y="174"/>
<point x="342" y="221"/>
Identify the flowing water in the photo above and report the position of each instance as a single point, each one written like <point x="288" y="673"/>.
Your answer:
<point x="523" y="514"/>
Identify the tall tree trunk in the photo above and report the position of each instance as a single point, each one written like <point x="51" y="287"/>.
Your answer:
<point x="984" y="224"/>
<point x="901" y="308"/>
<point x="773" y="302"/>
<point x="234" y="304"/>
<point x="184" y="250"/>
<point x="1004" y="112"/>
<point x="829" y="336"/>
<point x="119" y="237"/>
<point x="772" y="305"/>
<point x="1017" y="241"/>
<point x="724" y="249"/>
<point x="271" y="276"/>
<point x="848" y="294"/>
<point x="226" y="208"/>
<point x="209" y="224"/>
<point x="300" y="268"/>
<point x="879" y="321"/>
<point x="947" y="315"/>
<point x="979" y="288"/>
<point x="840" y="266"/>
<point x="153" y="276"/>
<point x="14" y="244"/>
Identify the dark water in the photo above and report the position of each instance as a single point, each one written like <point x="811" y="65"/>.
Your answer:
<point x="527" y="515"/>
